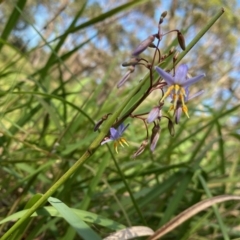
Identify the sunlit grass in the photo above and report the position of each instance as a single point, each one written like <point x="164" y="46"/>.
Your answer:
<point x="47" y="117"/>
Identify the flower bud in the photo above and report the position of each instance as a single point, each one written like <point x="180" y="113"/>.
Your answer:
<point x="143" y="45"/>
<point x="181" y="40"/>
<point x="126" y="76"/>
<point x="141" y="148"/>
<point x="155" y="136"/>
<point x="153" y="114"/>
<point x="161" y="20"/>
<point x="164" y="14"/>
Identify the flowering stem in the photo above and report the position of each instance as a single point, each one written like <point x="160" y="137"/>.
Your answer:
<point x="180" y="57"/>
<point x="104" y="131"/>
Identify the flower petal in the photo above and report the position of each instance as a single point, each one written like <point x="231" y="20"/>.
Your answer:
<point x="193" y="80"/>
<point x="181" y="74"/>
<point x="178" y="114"/>
<point x="114" y="134"/>
<point x="105" y="141"/>
<point x="122" y="128"/>
<point x="196" y="94"/>
<point x="165" y="75"/>
<point x="154" y="113"/>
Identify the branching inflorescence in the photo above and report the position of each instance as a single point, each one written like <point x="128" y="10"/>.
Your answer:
<point x="177" y="85"/>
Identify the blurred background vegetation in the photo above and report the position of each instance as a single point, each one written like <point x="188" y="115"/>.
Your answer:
<point x="60" y="63"/>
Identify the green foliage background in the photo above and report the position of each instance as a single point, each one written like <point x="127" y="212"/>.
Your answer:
<point x="60" y="63"/>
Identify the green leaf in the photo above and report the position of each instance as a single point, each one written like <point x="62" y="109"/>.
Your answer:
<point x="74" y="220"/>
<point x="12" y="20"/>
<point x="84" y="215"/>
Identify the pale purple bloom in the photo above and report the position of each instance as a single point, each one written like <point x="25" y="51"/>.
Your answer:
<point x="116" y="136"/>
<point x="178" y="88"/>
<point x="180" y="77"/>
<point x="116" y="133"/>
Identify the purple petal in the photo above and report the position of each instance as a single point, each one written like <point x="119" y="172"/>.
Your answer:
<point x="165" y="75"/>
<point x="196" y="94"/>
<point x="178" y="114"/>
<point x="181" y="74"/>
<point x="114" y="134"/>
<point x="193" y="80"/>
<point x="105" y="141"/>
<point x="154" y="113"/>
<point x="122" y="128"/>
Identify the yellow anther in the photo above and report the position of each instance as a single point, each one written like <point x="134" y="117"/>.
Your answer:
<point x="167" y="93"/>
<point x="171" y="108"/>
<point x="175" y="96"/>
<point x="119" y="142"/>
<point x="182" y="90"/>
<point x="123" y="140"/>
<point x="116" y="146"/>
<point x="185" y="110"/>
<point x="182" y="99"/>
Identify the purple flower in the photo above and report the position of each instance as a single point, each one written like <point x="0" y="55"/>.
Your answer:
<point x="178" y="86"/>
<point x="116" y="136"/>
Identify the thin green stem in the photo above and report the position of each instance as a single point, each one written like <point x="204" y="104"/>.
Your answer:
<point x="129" y="190"/>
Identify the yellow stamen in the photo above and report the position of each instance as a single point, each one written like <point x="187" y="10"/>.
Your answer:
<point x="119" y="142"/>
<point x="185" y="110"/>
<point x="171" y="108"/>
<point x="123" y="140"/>
<point x="116" y="146"/>
<point x="175" y="99"/>
<point x="184" y="107"/>
<point x="167" y="93"/>
<point x="182" y="99"/>
<point x="183" y="92"/>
